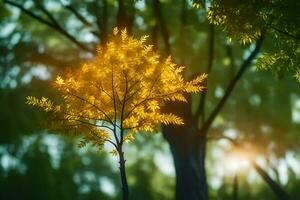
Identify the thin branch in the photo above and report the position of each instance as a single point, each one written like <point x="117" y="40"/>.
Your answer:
<point x="146" y="98"/>
<point x="295" y="37"/>
<point x="83" y="117"/>
<point x="123" y="107"/>
<point x="56" y="27"/>
<point x="82" y="123"/>
<point x="280" y="193"/>
<point x="111" y="142"/>
<point x="201" y="109"/>
<point x="218" y="137"/>
<point x="115" y="107"/>
<point x="78" y="15"/>
<point x="275" y="187"/>
<point x="82" y="19"/>
<point x="102" y="18"/>
<point x="95" y="106"/>
<point x="106" y="140"/>
<point x="113" y="94"/>
<point x="99" y="87"/>
<point x="162" y="24"/>
<point x="47" y="13"/>
<point x="231" y="86"/>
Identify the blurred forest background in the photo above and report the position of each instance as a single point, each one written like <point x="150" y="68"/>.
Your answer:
<point x="39" y="39"/>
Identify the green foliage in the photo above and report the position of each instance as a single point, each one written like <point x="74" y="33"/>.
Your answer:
<point x="246" y="21"/>
<point x="70" y="174"/>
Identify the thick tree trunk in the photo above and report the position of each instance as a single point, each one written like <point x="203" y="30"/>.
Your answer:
<point x="188" y="155"/>
<point x="190" y="173"/>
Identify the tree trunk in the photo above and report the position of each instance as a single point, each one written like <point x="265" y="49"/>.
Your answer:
<point x="188" y="156"/>
<point x="190" y="174"/>
<point x="123" y="176"/>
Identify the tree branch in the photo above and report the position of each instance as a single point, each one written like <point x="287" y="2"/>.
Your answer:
<point x="279" y="192"/>
<point x="162" y="24"/>
<point x="295" y="37"/>
<point x="123" y="108"/>
<point x="275" y="187"/>
<point x="78" y="15"/>
<point x="106" y="140"/>
<point x="52" y="25"/>
<point x="231" y="86"/>
<point x="229" y="52"/>
<point x="201" y="108"/>
<point x="93" y="105"/>
<point x="102" y="18"/>
<point x="82" y="19"/>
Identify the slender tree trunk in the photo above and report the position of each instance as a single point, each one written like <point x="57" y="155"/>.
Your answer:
<point x="125" y="190"/>
<point x="235" y="188"/>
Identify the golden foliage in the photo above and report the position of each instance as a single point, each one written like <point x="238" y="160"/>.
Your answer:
<point x="119" y="93"/>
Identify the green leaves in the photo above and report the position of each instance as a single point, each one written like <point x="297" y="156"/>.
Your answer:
<point x="245" y="21"/>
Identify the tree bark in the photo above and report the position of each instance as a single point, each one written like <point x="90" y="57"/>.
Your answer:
<point x="125" y="15"/>
<point x="188" y="154"/>
<point x="125" y="191"/>
<point x="189" y="162"/>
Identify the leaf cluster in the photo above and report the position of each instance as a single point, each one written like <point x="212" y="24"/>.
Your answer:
<point x="121" y="92"/>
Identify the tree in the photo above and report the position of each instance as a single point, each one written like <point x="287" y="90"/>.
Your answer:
<point x="237" y="19"/>
<point x="260" y="112"/>
<point x="247" y="21"/>
<point x="120" y="93"/>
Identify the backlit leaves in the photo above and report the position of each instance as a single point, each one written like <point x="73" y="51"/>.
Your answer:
<point x="247" y="20"/>
<point x="121" y="91"/>
<point x="240" y="20"/>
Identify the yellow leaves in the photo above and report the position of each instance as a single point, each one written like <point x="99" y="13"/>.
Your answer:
<point x="215" y="18"/>
<point x="147" y="128"/>
<point x="59" y="81"/>
<point x="147" y="49"/>
<point x="168" y="119"/>
<point x="91" y="99"/>
<point x="196" y="5"/>
<point x="129" y="137"/>
<point x="115" y="31"/>
<point x="176" y="97"/>
<point x="114" y="152"/>
<point x="194" y="85"/>
<point x="144" y="38"/>
<point x="102" y="134"/>
<point x="125" y="87"/>
<point x="124" y="35"/>
<point x="43" y="103"/>
<point x="131" y="121"/>
<point x="153" y="105"/>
